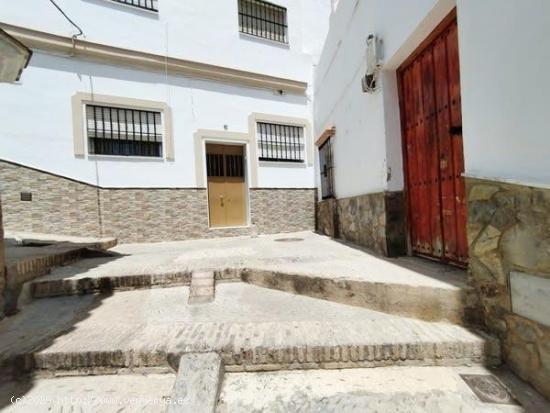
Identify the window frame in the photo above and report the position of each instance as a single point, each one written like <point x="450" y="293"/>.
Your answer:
<point x="302" y="152"/>
<point x="266" y="4"/>
<point x="256" y="117"/>
<point x="80" y="134"/>
<point x="126" y="109"/>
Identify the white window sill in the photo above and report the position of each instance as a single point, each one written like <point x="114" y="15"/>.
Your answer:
<point x="124" y="158"/>
<point x="282" y="164"/>
<point x="263" y="40"/>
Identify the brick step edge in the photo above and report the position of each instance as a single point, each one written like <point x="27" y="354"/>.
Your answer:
<point x="279" y="358"/>
<point x="54" y="288"/>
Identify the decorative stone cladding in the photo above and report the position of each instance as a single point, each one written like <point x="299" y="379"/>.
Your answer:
<point x="64" y="206"/>
<point x="2" y="265"/>
<point x="509" y="229"/>
<point x="282" y="210"/>
<point x="375" y="221"/>
<point x="150" y="215"/>
<point x="327" y="217"/>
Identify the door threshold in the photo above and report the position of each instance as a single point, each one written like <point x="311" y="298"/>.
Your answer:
<point x="457" y="264"/>
<point x="232" y="227"/>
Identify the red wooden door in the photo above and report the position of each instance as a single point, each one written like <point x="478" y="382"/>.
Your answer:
<point x="432" y="146"/>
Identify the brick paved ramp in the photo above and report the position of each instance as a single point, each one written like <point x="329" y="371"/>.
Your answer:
<point x="252" y="328"/>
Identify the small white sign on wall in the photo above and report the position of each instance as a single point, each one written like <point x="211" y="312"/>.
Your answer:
<point x="531" y="296"/>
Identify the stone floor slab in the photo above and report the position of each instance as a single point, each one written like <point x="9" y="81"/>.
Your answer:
<point x="387" y="390"/>
<point x="86" y="394"/>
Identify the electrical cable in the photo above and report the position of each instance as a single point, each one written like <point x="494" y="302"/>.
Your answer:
<point x="80" y="32"/>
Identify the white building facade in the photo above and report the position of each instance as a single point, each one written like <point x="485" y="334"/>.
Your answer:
<point x="108" y="131"/>
<point x="448" y="158"/>
<point x="170" y="119"/>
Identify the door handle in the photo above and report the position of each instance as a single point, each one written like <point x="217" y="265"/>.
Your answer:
<point x="221" y="200"/>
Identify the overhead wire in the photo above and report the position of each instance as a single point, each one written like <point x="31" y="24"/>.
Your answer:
<point x="76" y="26"/>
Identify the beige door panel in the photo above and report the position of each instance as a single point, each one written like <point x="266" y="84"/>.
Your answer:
<point x="226" y="194"/>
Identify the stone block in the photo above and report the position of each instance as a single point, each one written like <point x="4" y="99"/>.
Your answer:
<point x="487" y="241"/>
<point x="530" y="296"/>
<point x="198" y="383"/>
<point x="482" y="192"/>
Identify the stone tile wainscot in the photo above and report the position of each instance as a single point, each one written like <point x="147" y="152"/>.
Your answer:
<point x="64" y="206"/>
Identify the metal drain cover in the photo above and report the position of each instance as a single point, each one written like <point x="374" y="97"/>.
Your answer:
<point x="289" y="239"/>
<point x="488" y="389"/>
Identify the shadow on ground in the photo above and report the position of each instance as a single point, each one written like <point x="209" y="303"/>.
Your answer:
<point x="16" y="350"/>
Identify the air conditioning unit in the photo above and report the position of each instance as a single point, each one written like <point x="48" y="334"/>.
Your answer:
<point x="370" y="82"/>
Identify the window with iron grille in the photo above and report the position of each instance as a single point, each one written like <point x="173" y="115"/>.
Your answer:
<point x="151" y="5"/>
<point x="326" y="166"/>
<point x="224" y="165"/>
<point x="263" y="19"/>
<point x="282" y="143"/>
<point x="123" y="132"/>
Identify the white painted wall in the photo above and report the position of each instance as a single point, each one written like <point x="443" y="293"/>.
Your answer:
<point x="36" y="118"/>
<point x="505" y="59"/>
<point x="36" y="122"/>
<point x="367" y="141"/>
<point x="199" y="30"/>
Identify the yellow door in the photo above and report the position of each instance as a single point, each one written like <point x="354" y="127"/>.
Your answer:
<point x="226" y="185"/>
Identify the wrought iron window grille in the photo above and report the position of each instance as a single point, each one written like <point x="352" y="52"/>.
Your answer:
<point x="151" y="5"/>
<point x="123" y="132"/>
<point x="262" y="19"/>
<point x="280" y="143"/>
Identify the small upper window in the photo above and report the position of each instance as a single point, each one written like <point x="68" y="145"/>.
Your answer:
<point x="151" y="5"/>
<point x="123" y="132"/>
<point x="282" y="143"/>
<point x="263" y="19"/>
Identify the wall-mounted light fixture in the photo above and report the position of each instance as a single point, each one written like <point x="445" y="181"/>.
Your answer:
<point x="14" y="57"/>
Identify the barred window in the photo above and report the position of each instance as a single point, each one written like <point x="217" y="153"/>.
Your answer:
<point x="283" y="143"/>
<point x="218" y="164"/>
<point x="123" y="132"/>
<point x="151" y="5"/>
<point x="263" y="19"/>
<point x="326" y="167"/>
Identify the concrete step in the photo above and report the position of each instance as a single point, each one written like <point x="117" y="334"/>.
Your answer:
<point x="316" y="267"/>
<point x="30" y="256"/>
<point x="202" y="287"/>
<point x="272" y="346"/>
<point x="425" y="302"/>
<point x="250" y="328"/>
<point x="43" y="288"/>
<point x="430" y="303"/>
